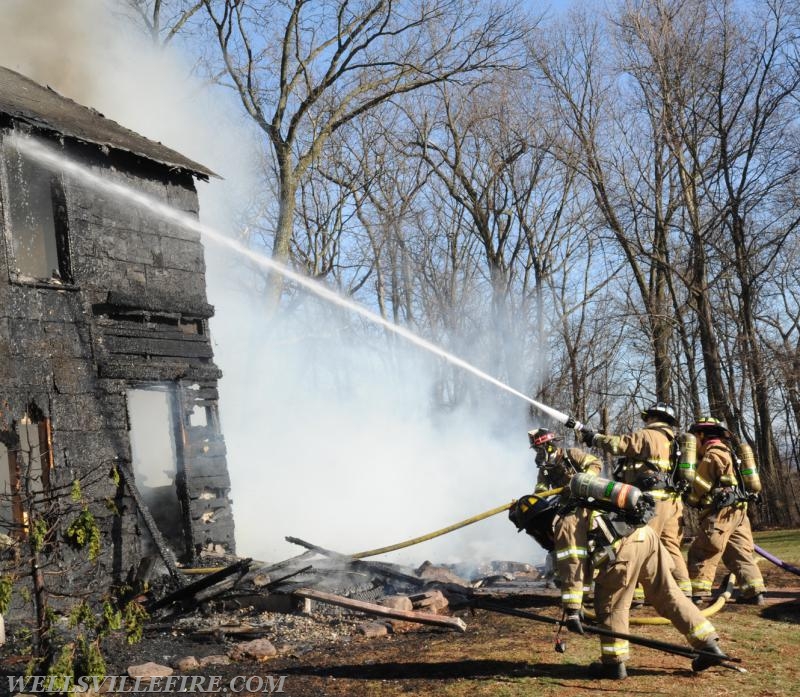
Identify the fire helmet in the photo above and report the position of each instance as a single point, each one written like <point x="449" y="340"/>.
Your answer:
<point x="541" y="437"/>
<point x="535" y="516"/>
<point x="709" y="426"/>
<point x="661" y="410"/>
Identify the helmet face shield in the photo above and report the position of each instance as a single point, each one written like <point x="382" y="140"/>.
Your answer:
<point x="544" y="442"/>
<point x="662" y="412"/>
<point x="540" y="437"/>
<point x="710" y="427"/>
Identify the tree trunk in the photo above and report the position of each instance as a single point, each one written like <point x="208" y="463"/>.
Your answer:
<point x="287" y="183"/>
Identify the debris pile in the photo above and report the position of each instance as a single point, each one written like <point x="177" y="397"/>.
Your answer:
<point x="322" y="597"/>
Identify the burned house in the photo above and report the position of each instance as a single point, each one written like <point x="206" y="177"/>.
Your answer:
<point x="106" y="364"/>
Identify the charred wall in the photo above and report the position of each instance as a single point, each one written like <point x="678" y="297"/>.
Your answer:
<point x="133" y="314"/>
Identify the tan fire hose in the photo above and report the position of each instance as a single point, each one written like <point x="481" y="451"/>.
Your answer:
<point x="450" y="528"/>
<point x="712" y="609"/>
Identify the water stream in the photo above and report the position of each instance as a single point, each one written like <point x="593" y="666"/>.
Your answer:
<point x="55" y="160"/>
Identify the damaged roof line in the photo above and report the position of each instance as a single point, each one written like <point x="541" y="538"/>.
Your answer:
<point x="23" y="99"/>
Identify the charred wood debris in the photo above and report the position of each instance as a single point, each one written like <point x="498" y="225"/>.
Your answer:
<point x="234" y="601"/>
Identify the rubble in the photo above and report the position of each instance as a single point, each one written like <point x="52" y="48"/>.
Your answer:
<point x="442" y="574"/>
<point x="186" y="664"/>
<point x="372" y="630"/>
<point x="258" y="650"/>
<point x="149" y="670"/>
<point x="219" y="619"/>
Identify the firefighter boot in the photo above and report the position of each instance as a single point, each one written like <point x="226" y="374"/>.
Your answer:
<point x="712" y="656"/>
<point x="572" y="621"/>
<point x="607" y="671"/>
<point x="757" y="599"/>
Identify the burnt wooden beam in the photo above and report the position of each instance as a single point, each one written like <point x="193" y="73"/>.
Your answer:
<point x="150" y="523"/>
<point x="278" y="581"/>
<point x="193" y="589"/>
<point x="286" y="562"/>
<point x="372" y="609"/>
<point x="375" y="568"/>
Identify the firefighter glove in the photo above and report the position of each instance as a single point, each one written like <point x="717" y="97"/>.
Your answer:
<point x="573" y="621"/>
<point x="587" y="436"/>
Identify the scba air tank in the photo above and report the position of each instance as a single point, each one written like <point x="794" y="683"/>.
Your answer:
<point x="748" y="469"/>
<point x="589" y="486"/>
<point x="687" y="462"/>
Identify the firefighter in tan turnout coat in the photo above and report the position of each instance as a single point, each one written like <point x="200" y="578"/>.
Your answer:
<point x="640" y="555"/>
<point x="625" y="548"/>
<point x="571" y="524"/>
<point x="719" y="492"/>
<point x="647" y="465"/>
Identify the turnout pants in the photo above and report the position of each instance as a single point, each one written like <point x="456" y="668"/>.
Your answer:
<point x="641" y="555"/>
<point x="725" y="535"/>
<point x="668" y="524"/>
<point x="572" y="557"/>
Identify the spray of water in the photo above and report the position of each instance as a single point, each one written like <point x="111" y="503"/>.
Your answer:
<point x="55" y="160"/>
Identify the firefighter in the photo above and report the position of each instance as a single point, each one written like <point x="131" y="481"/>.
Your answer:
<point x="571" y="523"/>
<point x="647" y="464"/>
<point x="625" y="548"/>
<point x="640" y="555"/>
<point x="721" y="497"/>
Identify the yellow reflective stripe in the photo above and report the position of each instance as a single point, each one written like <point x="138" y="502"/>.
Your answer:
<point x="701" y="631"/>
<point x="572" y="596"/>
<point x="701" y="585"/>
<point x="755" y="585"/>
<point x="618" y="647"/>
<point x="574" y="552"/>
<point x="685" y="586"/>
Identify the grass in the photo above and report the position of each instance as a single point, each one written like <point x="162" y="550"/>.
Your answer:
<point x="501" y="656"/>
<point x="784" y="544"/>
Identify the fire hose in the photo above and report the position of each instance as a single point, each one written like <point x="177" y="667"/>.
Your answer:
<point x="713" y="609"/>
<point x="729" y="661"/>
<point x="778" y="562"/>
<point x="450" y="528"/>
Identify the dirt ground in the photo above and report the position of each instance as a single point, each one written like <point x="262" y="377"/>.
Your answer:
<point x="323" y="654"/>
<point x="501" y="656"/>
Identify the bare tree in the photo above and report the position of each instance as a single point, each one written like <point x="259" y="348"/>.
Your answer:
<point x="618" y="147"/>
<point x="163" y="21"/>
<point x="305" y="69"/>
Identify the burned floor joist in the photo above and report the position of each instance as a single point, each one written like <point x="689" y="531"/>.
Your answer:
<point x="373" y="568"/>
<point x="381" y="611"/>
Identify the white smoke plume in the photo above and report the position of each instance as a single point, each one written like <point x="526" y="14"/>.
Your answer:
<point x="329" y="439"/>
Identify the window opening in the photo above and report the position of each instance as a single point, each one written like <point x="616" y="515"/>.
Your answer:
<point x="36" y="220"/>
<point x="7" y="517"/>
<point x="198" y="418"/>
<point x="25" y="463"/>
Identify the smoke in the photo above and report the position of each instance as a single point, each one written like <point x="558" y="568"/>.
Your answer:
<point x="351" y="454"/>
<point x="331" y="432"/>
